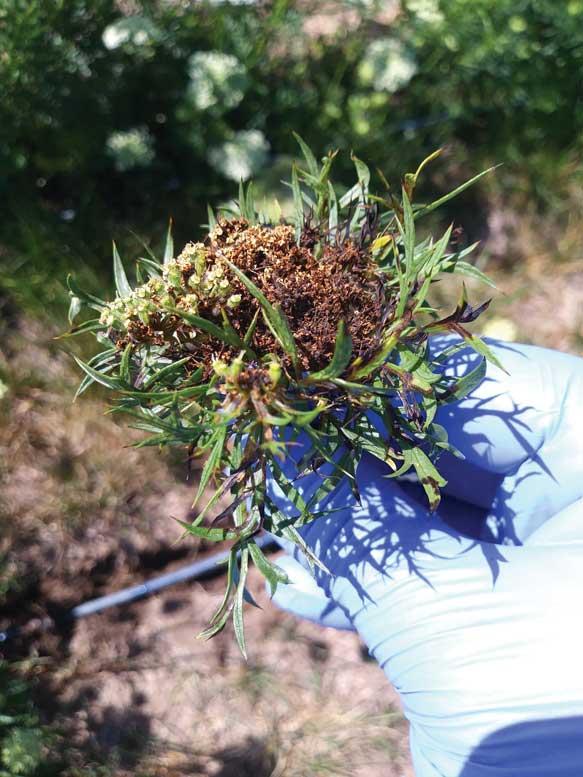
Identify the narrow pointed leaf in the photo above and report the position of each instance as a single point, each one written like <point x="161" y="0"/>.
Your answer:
<point x="308" y="154"/>
<point x="105" y="380"/>
<point x="340" y="359"/>
<point x="463" y="386"/>
<point x="238" y="604"/>
<point x="447" y="197"/>
<point x="211" y="466"/>
<point x="121" y="282"/>
<point x="271" y="572"/>
<point x="124" y="366"/>
<point x="428" y="475"/>
<point x="210" y="328"/>
<point x="169" y="247"/>
<point x="88" y="299"/>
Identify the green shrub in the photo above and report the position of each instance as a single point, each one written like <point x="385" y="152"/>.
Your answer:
<point x="21" y="735"/>
<point x="505" y="73"/>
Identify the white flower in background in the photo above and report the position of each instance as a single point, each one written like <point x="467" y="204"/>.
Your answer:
<point x="240" y="158"/>
<point x="114" y="36"/>
<point x="130" y="149"/>
<point x="387" y="65"/>
<point x="426" y="10"/>
<point x="135" y="30"/>
<point x="216" y="78"/>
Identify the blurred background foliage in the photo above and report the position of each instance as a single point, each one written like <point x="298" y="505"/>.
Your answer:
<point x="116" y="115"/>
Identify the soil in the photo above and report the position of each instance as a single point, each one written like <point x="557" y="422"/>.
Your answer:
<point x="131" y="691"/>
<point x="132" y="687"/>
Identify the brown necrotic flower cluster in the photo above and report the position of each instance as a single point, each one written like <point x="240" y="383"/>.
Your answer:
<point x="318" y="283"/>
<point x="267" y="333"/>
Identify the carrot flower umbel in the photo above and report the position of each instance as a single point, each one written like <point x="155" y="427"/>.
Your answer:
<point x="263" y="330"/>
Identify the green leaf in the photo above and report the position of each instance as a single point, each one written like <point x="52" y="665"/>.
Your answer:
<point x="229" y="329"/>
<point x="340" y="359"/>
<point x="463" y="386"/>
<point x="410" y="380"/>
<point x="376" y="447"/>
<point x="362" y="172"/>
<point x="308" y="155"/>
<point x="238" y="601"/>
<point x="121" y="282"/>
<point x="478" y="345"/>
<point x="246" y="202"/>
<point x="281" y="528"/>
<point x="169" y="371"/>
<point x="212" y="533"/>
<point x="363" y="388"/>
<point x="408" y="237"/>
<point x="354" y="193"/>
<point x="92" y="325"/>
<point x="378" y="360"/>
<point x="209" y="328"/>
<point x="297" y="198"/>
<point x="124" y="365"/>
<point x="271" y="572"/>
<point x="329" y="484"/>
<point x="74" y="308"/>
<point x="426" y="161"/>
<point x="446" y="198"/>
<point x="302" y="417"/>
<point x="250" y="204"/>
<point x="333" y="210"/>
<point x="104" y="361"/>
<point x="88" y="299"/>
<point x="170" y="394"/>
<point x="291" y="533"/>
<point x="213" y="461"/>
<point x="290" y="491"/>
<point x="212" y="221"/>
<point x="428" y="475"/>
<point x="217" y="625"/>
<point x="169" y="247"/>
<point x="250" y="331"/>
<point x="465" y="268"/>
<point x="153" y="268"/>
<point x="153" y="258"/>
<point x="437" y="252"/>
<point x="111" y="383"/>
<point x="430" y="407"/>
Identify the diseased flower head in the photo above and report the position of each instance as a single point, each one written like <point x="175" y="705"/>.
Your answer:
<point x="315" y="293"/>
<point x="267" y="330"/>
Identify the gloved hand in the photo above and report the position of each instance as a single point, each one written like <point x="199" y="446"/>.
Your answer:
<point x="474" y="612"/>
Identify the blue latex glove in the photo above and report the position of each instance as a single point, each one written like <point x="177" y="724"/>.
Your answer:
<point x="479" y="627"/>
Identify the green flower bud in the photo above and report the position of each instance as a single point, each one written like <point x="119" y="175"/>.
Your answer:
<point x="274" y="372"/>
<point x="220" y="368"/>
<point x="234" y="301"/>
